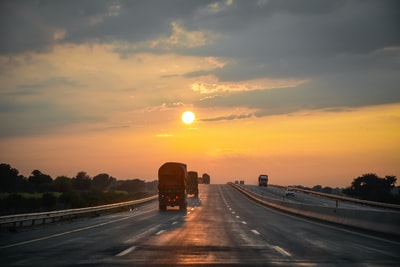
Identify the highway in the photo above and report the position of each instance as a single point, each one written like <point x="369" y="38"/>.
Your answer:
<point x="220" y="228"/>
<point x="304" y="198"/>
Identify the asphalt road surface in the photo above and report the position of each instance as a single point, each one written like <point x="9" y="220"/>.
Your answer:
<point x="304" y="198"/>
<point x="220" y="228"/>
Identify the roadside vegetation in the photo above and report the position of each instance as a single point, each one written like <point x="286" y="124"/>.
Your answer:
<point x="368" y="186"/>
<point x="40" y="192"/>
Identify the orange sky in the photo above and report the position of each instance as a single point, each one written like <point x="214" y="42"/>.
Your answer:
<point x="330" y="149"/>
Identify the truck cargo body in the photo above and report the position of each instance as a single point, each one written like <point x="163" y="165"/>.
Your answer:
<point x="172" y="185"/>
<point x="192" y="187"/>
<point x="263" y="180"/>
<point x="205" y="178"/>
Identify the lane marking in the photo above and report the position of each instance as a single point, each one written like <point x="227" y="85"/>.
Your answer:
<point x="244" y="222"/>
<point x="160" y="232"/>
<point x="72" y="231"/>
<point x="310" y="220"/>
<point x="175" y="222"/>
<point x="126" y="251"/>
<point x="142" y="234"/>
<point x="282" y="251"/>
<point x="255" y="232"/>
<point x="237" y="216"/>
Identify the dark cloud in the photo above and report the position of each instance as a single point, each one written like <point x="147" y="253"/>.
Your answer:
<point x="38" y="117"/>
<point x="31" y="25"/>
<point x="348" y="49"/>
<point x="229" y="118"/>
<point x="317" y="95"/>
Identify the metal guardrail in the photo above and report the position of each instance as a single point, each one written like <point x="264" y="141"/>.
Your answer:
<point x="347" y="199"/>
<point x="19" y="219"/>
<point x="384" y="221"/>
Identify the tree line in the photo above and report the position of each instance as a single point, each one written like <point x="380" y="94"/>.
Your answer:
<point x="368" y="186"/>
<point x="40" y="192"/>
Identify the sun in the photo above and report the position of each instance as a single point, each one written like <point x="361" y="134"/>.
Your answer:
<point x="188" y="117"/>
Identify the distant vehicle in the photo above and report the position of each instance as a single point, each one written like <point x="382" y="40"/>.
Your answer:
<point x="241" y="182"/>
<point x="172" y="185"/>
<point x="289" y="192"/>
<point x="192" y="187"/>
<point x="236" y="182"/>
<point x="206" y="178"/>
<point x="263" y="180"/>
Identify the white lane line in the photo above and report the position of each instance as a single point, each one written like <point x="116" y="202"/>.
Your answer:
<point x="233" y="212"/>
<point x="255" y="232"/>
<point x="175" y="222"/>
<point x="126" y="251"/>
<point x="160" y="232"/>
<point x="282" y="251"/>
<point x="142" y="234"/>
<point x="71" y="231"/>
<point x="244" y="222"/>
<point x="237" y="216"/>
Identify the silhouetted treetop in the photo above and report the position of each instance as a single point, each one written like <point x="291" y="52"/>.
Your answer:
<point x="371" y="187"/>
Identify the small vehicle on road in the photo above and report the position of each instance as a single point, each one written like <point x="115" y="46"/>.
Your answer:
<point x="289" y="192"/>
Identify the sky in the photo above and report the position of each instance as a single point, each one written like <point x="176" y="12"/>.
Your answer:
<point x="307" y="92"/>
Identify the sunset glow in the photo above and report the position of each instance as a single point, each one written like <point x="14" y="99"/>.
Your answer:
<point x="188" y="117"/>
<point x="89" y="93"/>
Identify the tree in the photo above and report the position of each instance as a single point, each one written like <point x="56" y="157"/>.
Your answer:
<point x="10" y="180"/>
<point x="132" y="186"/>
<point x="82" y="181"/>
<point x="62" y="184"/>
<point x="371" y="187"/>
<point x="317" y="188"/>
<point x="49" y="201"/>
<point x="41" y="182"/>
<point x="101" y="181"/>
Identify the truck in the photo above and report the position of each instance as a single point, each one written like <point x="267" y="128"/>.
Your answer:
<point x="205" y="178"/>
<point x="263" y="180"/>
<point x="192" y="186"/>
<point x="172" y="178"/>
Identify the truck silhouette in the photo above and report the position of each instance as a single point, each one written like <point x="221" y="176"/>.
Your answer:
<point x="205" y="178"/>
<point x="172" y="185"/>
<point x="192" y="187"/>
<point x="263" y="180"/>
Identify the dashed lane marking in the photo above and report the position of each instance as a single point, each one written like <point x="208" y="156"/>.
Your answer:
<point x="126" y="251"/>
<point x="255" y="232"/>
<point x="72" y="231"/>
<point x="160" y="232"/>
<point x="282" y="251"/>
